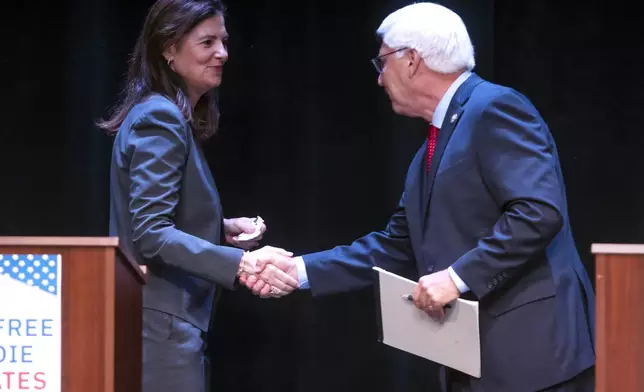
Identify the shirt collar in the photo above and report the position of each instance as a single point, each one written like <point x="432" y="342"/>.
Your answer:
<point x="443" y="105"/>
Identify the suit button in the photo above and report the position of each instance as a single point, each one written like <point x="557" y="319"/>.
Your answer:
<point x="430" y="269"/>
<point x="505" y="274"/>
<point x="490" y="285"/>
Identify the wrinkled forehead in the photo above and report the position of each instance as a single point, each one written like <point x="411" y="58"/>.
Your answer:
<point x="384" y="49"/>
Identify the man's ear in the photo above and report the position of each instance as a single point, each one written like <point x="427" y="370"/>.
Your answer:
<point x="413" y="62"/>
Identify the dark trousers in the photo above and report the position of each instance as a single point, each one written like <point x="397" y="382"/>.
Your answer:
<point x="173" y="354"/>
<point x="583" y="382"/>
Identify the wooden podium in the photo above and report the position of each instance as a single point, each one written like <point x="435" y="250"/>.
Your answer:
<point x="101" y="311"/>
<point x="620" y="317"/>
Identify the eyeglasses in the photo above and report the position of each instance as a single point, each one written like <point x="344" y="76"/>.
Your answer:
<point x="379" y="61"/>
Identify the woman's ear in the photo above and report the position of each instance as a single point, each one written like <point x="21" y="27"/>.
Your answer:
<point x="169" y="55"/>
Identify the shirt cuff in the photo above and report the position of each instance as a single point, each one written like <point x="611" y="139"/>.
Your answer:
<point x="302" y="277"/>
<point x="462" y="287"/>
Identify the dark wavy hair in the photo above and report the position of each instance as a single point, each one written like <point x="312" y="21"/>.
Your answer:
<point x="167" y="22"/>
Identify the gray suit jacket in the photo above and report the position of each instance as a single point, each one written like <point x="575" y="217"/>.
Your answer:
<point x="166" y="211"/>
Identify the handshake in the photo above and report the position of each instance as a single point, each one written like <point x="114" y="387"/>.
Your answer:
<point x="269" y="272"/>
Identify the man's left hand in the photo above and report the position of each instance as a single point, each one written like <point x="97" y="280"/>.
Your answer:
<point x="235" y="226"/>
<point x="435" y="291"/>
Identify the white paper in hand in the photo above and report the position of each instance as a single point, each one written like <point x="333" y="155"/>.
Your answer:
<point x="453" y="342"/>
<point x="243" y="237"/>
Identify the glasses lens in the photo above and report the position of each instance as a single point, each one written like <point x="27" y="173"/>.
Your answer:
<point x="377" y="63"/>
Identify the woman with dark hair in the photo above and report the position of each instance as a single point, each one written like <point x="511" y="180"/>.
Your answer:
<point x="165" y="206"/>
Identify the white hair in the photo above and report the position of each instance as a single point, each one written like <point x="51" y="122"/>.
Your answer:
<point x="437" y="33"/>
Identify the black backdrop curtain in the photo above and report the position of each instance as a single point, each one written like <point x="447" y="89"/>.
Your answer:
<point x="309" y="142"/>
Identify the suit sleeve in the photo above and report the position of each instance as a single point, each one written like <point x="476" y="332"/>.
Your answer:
<point x="158" y="150"/>
<point x="349" y="267"/>
<point x="515" y="154"/>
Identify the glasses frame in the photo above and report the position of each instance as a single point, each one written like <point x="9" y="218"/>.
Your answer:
<point x="378" y="61"/>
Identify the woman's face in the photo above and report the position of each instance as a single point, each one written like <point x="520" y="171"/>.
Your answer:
<point x="199" y="57"/>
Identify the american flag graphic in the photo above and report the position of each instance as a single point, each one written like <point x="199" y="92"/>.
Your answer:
<point x="38" y="271"/>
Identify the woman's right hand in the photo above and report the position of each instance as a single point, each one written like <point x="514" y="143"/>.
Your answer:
<point x="268" y="272"/>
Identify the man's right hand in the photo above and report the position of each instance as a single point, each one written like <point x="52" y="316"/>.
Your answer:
<point x="269" y="272"/>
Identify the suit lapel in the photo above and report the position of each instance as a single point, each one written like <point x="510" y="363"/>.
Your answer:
<point x="454" y="112"/>
<point x="452" y="116"/>
<point x="414" y="197"/>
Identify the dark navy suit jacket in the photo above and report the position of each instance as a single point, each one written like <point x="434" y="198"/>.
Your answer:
<point x="165" y="209"/>
<point x="493" y="206"/>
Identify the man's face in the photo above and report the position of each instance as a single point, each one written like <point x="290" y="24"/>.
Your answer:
<point x="391" y="77"/>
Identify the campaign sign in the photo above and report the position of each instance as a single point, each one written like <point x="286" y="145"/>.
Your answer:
<point x="30" y="322"/>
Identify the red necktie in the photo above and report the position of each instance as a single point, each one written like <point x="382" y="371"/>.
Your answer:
<point x="431" y="144"/>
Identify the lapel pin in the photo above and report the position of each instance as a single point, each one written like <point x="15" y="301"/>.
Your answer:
<point x="454" y="118"/>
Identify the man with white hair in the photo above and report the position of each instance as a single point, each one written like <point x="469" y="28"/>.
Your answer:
<point x="483" y="215"/>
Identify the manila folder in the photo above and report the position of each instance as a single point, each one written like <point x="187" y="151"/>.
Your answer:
<point x="453" y="341"/>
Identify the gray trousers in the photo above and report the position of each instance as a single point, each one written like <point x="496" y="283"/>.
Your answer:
<point x="174" y="357"/>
